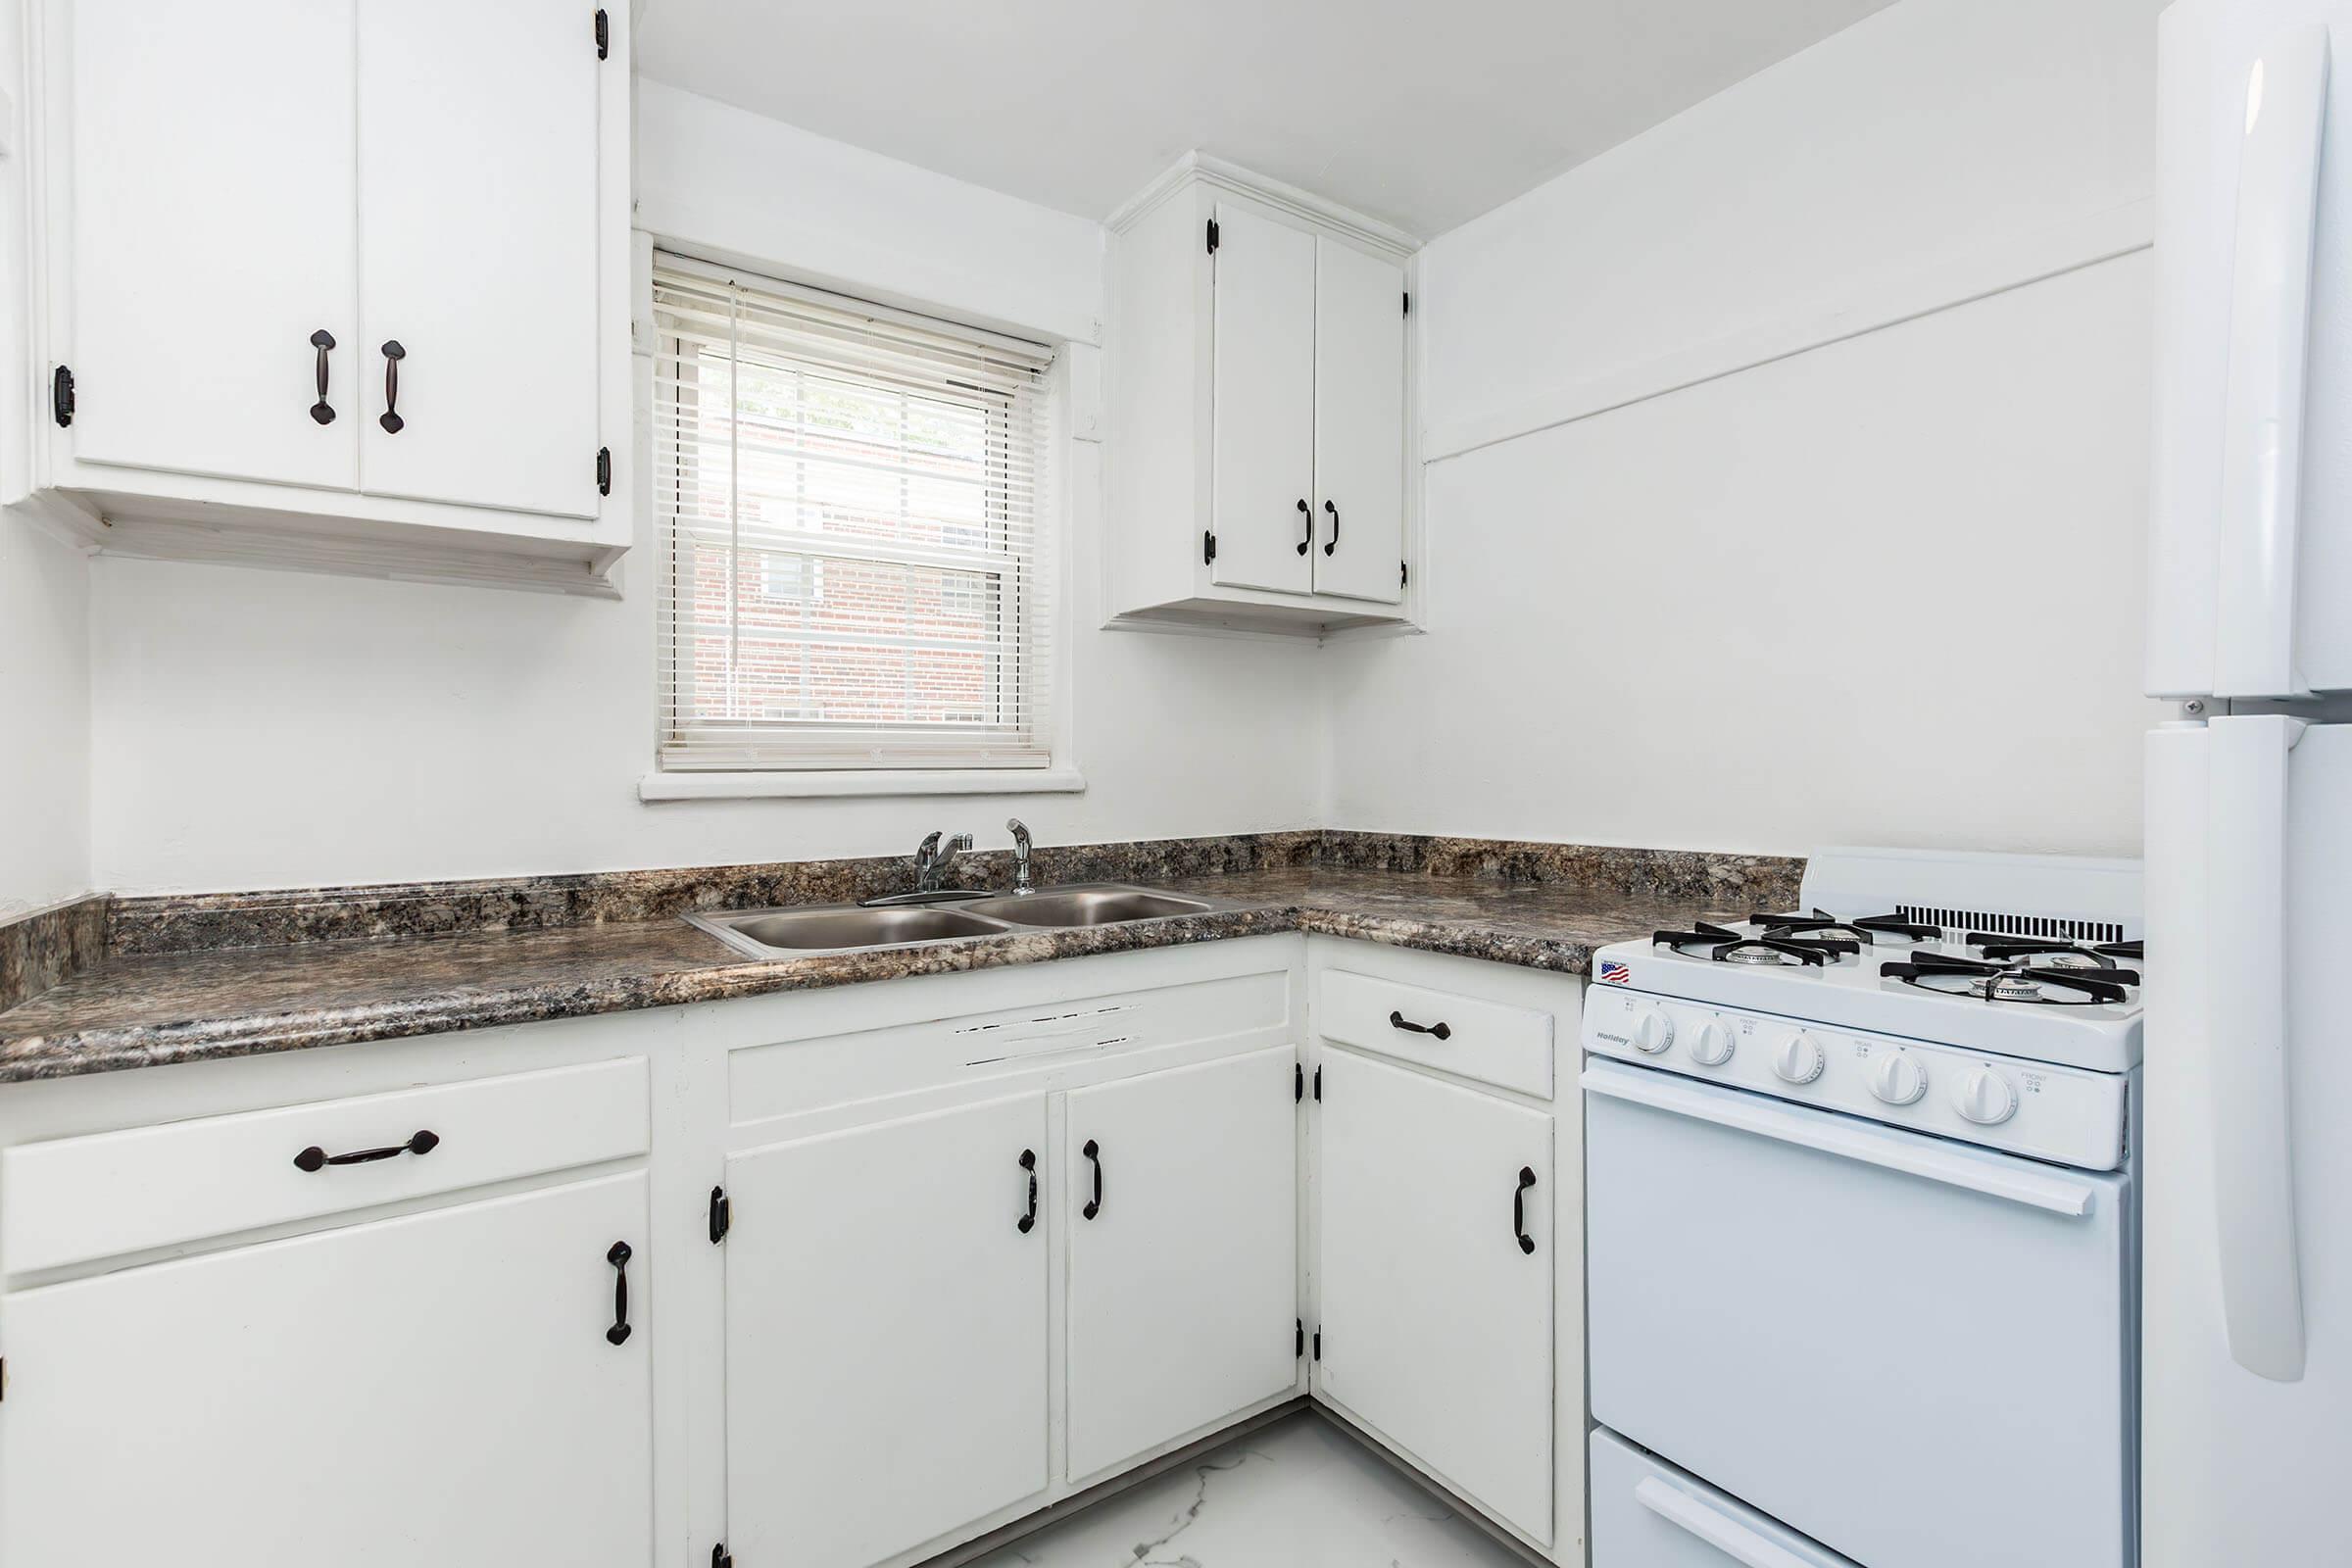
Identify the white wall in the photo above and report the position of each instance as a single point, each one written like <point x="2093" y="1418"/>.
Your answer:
<point x="258" y="729"/>
<point x="1887" y="589"/>
<point x="44" y="718"/>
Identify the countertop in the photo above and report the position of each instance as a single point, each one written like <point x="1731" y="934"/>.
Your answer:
<point x="136" y="1012"/>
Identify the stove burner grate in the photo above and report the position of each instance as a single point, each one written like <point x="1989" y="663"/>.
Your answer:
<point x="2028" y="984"/>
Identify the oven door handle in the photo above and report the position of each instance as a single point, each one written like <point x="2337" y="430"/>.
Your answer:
<point x="1730" y="1536"/>
<point x="1913" y="1156"/>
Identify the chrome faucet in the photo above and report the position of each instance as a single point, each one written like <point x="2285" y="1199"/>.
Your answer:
<point x="931" y="863"/>
<point x="1020" y="855"/>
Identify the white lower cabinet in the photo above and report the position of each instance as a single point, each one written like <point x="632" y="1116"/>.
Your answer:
<point x="1183" y="1225"/>
<point x="975" y="1245"/>
<point x="886" y="1334"/>
<point x="1435" y="1278"/>
<point x="437" y="1387"/>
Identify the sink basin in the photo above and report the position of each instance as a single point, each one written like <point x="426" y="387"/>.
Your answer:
<point x="841" y="928"/>
<point x="851" y="927"/>
<point x="1085" y="905"/>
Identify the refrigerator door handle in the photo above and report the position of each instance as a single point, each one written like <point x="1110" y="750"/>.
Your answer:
<point x="2248" y="1090"/>
<point x="2270" y="332"/>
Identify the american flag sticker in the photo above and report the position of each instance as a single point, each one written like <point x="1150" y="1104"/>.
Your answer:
<point x="1613" y="973"/>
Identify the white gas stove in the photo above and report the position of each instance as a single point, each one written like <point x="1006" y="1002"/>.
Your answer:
<point x="1862" y="1225"/>
<point x="1989" y="998"/>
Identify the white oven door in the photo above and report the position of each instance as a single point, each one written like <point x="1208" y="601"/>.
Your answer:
<point x="1914" y="1351"/>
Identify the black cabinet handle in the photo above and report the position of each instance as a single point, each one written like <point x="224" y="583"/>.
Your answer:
<point x="1028" y="1221"/>
<point x="1527" y="1179"/>
<point x="390" y="418"/>
<point x="322" y="411"/>
<point x="1307" y="518"/>
<point x="1440" y="1030"/>
<point x="618" y="1257"/>
<point x="1094" y="1153"/>
<point x="315" y="1158"/>
<point x="1333" y="542"/>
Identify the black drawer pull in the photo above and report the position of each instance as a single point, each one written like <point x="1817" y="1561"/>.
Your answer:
<point x="1440" y="1030"/>
<point x="1527" y="1179"/>
<point x="1307" y="518"/>
<point x="1028" y="1221"/>
<point x="1094" y="1153"/>
<point x="390" y="418"/>
<point x="322" y="411"/>
<point x="1333" y="542"/>
<point x="315" y="1158"/>
<point x="618" y="1257"/>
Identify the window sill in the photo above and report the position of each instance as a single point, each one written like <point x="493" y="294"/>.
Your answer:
<point x="816" y="784"/>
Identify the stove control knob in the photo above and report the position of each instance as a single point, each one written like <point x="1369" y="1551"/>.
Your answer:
<point x="1711" y="1045"/>
<point x="1652" y="1032"/>
<point x="1985" y="1098"/>
<point x="1897" y="1079"/>
<point x="1798" y="1059"/>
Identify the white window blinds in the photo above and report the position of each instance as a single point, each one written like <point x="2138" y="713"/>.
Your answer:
<point x="851" y="501"/>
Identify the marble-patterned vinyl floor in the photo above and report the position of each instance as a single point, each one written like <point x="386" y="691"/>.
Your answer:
<point x="1297" y="1494"/>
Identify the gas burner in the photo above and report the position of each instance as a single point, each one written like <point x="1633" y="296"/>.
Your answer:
<point x="1726" y="946"/>
<point x="2098" y="960"/>
<point x="2032" y="985"/>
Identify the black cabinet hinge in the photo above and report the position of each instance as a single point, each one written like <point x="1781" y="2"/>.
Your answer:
<point x="1213" y="236"/>
<point x="1318" y="1343"/>
<point x="1405" y="575"/>
<point x="1297" y="1082"/>
<point x="1318" y="1085"/>
<point x="603" y="36"/>
<point x="603" y="470"/>
<point x="1408" y="305"/>
<point x="719" y="1557"/>
<point x="1299" y="1341"/>
<point x="61" y="396"/>
<point x="1208" y="546"/>
<point x="723" y="1216"/>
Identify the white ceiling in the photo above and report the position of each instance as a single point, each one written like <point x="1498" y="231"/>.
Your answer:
<point x="1420" y="114"/>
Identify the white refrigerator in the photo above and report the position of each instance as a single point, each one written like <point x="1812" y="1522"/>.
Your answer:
<point x="2247" y="1363"/>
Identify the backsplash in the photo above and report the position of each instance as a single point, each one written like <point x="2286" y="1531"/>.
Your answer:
<point x="40" y="949"/>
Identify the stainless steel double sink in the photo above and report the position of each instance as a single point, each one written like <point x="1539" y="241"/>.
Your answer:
<point x="851" y="927"/>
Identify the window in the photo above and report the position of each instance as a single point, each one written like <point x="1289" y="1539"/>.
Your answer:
<point x="850" y="499"/>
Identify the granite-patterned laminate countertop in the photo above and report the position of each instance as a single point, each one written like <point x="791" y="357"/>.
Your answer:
<point x="136" y="1012"/>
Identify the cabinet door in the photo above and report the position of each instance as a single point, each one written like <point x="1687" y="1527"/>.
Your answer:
<point x="1437" y="1325"/>
<point x="212" y="193"/>
<point x="886" y="1334"/>
<point x="1263" y="419"/>
<point x="1359" y="424"/>
<point x="434" y="1389"/>
<point x="477" y="158"/>
<point x="1184" y="1281"/>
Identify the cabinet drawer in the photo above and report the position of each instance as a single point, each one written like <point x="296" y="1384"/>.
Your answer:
<point x="1495" y="1044"/>
<point x="73" y="1199"/>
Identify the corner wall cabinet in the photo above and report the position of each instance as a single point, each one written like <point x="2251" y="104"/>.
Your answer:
<point x="317" y="290"/>
<point x="836" y="1279"/>
<point x="1258" y="376"/>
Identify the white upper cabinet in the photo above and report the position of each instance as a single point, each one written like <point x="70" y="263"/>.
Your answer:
<point x="1258" y="421"/>
<point x="1263" y="442"/>
<point x="337" y="284"/>
<point x="1359" y="424"/>
<point x="481" y="268"/>
<point x="214" y="181"/>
